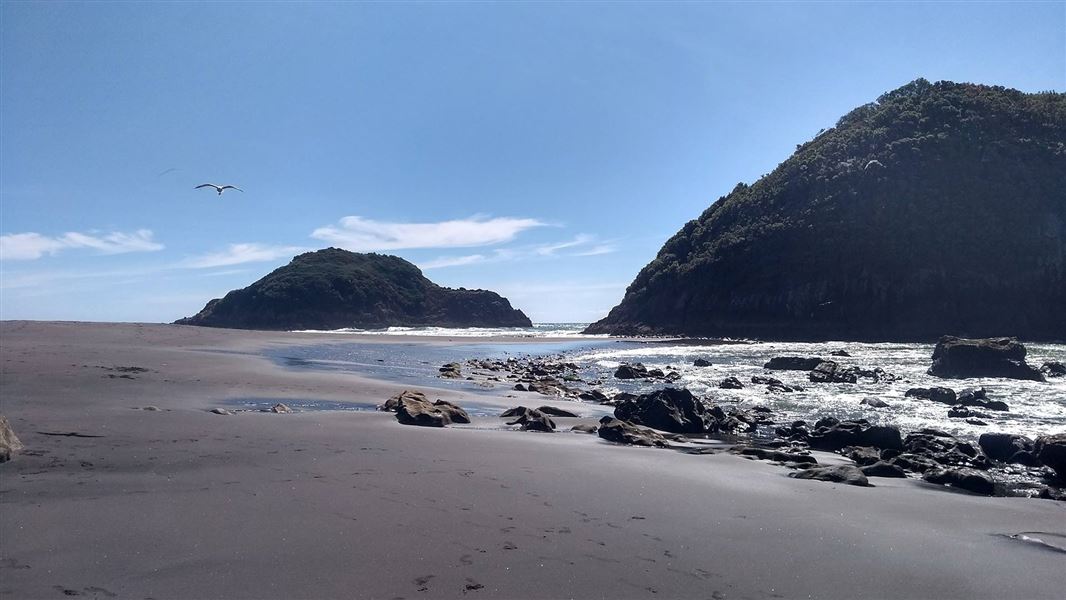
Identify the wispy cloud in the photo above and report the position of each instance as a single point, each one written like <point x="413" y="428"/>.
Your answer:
<point x="453" y="261"/>
<point x="31" y="246"/>
<point x="366" y="235"/>
<point x="582" y="245"/>
<point x="237" y="254"/>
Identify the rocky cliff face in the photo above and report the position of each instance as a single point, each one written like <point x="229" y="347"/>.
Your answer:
<point x="332" y="289"/>
<point x="940" y="208"/>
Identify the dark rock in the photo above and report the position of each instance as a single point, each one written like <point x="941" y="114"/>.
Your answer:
<point x="622" y="432"/>
<point x="556" y="412"/>
<point x="971" y="480"/>
<point x="621" y="397"/>
<point x="532" y="420"/>
<point x="830" y="434"/>
<point x="1051" y="451"/>
<point x="220" y="411"/>
<point x="669" y="409"/>
<point x="593" y="396"/>
<point x="792" y="363"/>
<point x="840" y="353"/>
<point x="730" y="383"/>
<point x="829" y="372"/>
<point x="456" y="413"/>
<point x="1004" y="446"/>
<point x="701" y="362"/>
<point x="1053" y="369"/>
<point x="280" y="408"/>
<point x="777" y="455"/>
<point x="882" y="469"/>
<point x="763" y="380"/>
<point x="976" y="422"/>
<point x="962" y="358"/>
<point x="862" y="455"/>
<point x="964" y="412"/>
<point x="451" y="371"/>
<point x="913" y="463"/>
<point x="874" y="402"/>
<point x="520" y="387"/>
<point x="333" y="288"/>
<point x="979" y="398"/>
<point x="838" y="474"/>
<point x="584" y="428"/>
<point x="936" y="394"/>
<point x="9" y="442"/>
<point x="945" y="449"/>
<point x="634" y="371"/>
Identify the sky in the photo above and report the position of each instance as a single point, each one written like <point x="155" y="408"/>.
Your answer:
<point x="541" y="150"/>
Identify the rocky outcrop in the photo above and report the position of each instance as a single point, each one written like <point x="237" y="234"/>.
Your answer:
<point x="878" y="229"/>
<point x="830" y="372"/>
<point x="633" y="371"/>
<point x="334" y="289"/>
<point x="1053" y="368"/>
<point x="9" y="442"/>
<point x="960" y="358"/>
<point x="669" y="409"/>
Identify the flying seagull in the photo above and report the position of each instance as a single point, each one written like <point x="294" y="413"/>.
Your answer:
<point x="218" y="188"/>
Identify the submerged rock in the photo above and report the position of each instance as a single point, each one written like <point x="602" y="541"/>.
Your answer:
<point x="961" y="358"/>
<point x="828" y="371"/>
<point x="874" y="402"/>
<point x="701" y="362"/>
<point x="1053" y="369"/>
<point x="634" y="371"/>
<point x="730" y="383"/>
<point x="936" y="394"/>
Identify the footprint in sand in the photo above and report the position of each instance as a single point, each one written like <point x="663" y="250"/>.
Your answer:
<point x="422" y="582"/>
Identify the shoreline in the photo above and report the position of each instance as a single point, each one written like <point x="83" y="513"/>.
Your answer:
<point x="182" y="503"/>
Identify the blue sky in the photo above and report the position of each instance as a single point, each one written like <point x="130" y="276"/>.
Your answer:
<point x="542" y="150"/>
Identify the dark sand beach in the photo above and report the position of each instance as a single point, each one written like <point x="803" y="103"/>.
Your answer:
<point x="182" y="503"/>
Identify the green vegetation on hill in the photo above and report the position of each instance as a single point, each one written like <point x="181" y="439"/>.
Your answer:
<point x="333" y="288"/>
<point x="939" y="208"/>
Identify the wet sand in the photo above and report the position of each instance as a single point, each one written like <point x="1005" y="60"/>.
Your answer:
<point x="183" y="503"/>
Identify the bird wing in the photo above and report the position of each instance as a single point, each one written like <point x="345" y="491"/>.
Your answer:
<point x="203" y="185"/>
<point x="231" y="187"/>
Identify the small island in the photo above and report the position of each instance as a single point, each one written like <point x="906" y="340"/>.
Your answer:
<point x="336" y="289"/>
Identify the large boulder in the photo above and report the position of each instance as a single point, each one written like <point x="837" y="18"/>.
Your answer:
<point x="668" y="409"/>
<point x="960" y="358"/>
<point x="1051" y="450"/>
<point x="622" y="432"/>
<point x="944" y="449"/>
<point x="9" y="442"/>
<point x="393" y="403"/>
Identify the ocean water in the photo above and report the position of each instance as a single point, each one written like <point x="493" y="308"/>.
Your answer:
<point x="1035" y="408"/>
<point x="538" y="330"/>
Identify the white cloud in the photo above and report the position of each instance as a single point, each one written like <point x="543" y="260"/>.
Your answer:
<point x="365" y="235"/>
<point x="237" y="254"/>
<point x="551" y="249"/>
<point x="452" y="261"/>
<point x="31" y="246"/>
<point x="598" y="250"/>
